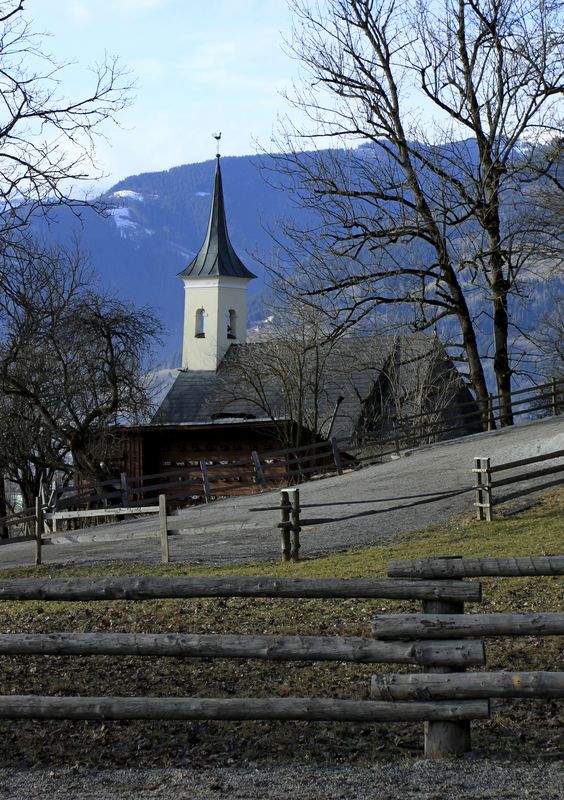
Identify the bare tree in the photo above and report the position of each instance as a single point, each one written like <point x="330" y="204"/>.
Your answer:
<point x="29" y="453"/>
<point x="418" y="394"/>
<point x="426" y="214"/>
<point x="285" y="374"/>
<point x="550" y="340"/>
<point x="46" y="138"/>
<point x="72" y="359"/>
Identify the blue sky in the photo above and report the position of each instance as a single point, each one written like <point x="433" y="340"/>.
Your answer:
<point x="200" y="67"/>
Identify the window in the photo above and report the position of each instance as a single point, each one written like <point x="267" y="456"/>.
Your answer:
<point x="232" y="324"/>
<point x="200" y="323"/>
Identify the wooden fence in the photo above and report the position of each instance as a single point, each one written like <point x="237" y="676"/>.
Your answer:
<point x="444" y="619"/>
<point x="290" y="503"/>
<point x="430" y="426"/>
<point x="485" y="484"/>
<point x="24" y="517"/>
<point x="168" y="523"/>
<point x="202" y="482"/>
<point x="280" y="648"/>
<point x="444" y="697"/>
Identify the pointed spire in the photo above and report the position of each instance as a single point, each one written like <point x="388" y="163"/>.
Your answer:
<point x="217" y="256"/>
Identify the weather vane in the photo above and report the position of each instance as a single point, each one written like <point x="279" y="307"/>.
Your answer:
<point x="217" y="137"/>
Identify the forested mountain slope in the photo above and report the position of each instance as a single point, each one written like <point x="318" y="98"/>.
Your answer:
<point x="156" y="222"/>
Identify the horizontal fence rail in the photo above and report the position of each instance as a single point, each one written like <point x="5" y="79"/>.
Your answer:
<point x="470" y="685"/>
<point x="445" y="626"/>
<point x="146" y="588"/>
<point x="455" y="567"/>
<point x="89" y="513"/>
<point x="20" y="518"/>
<point x="270" y="647"/>
<point x="247" y="708"/>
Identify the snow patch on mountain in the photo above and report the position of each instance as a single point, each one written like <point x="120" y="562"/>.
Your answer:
<point x="122" y="218"/>
<point x="127" y="227"/>
<point x="128" y="194"/>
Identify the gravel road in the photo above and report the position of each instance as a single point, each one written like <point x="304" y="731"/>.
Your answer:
<point x="359" y="509"/>
<point x="464" y="779"/>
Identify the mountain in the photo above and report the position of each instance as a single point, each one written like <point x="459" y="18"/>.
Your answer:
<point x="156" y="222"/>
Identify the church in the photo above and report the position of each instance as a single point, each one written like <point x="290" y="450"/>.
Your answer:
<point x="189" y="424"/>
<point x="204" y="416"/>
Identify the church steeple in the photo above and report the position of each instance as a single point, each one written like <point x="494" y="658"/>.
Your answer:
<point x="215" y="283"/>
<point x="217" y="256"/>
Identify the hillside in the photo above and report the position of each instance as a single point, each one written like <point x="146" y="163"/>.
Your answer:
<point x="155" y="223"/>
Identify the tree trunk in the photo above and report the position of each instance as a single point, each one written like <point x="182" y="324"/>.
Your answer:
<point x="475" y="367"/>
<point x="3" y="507"/>
<point x="501" y="360"/>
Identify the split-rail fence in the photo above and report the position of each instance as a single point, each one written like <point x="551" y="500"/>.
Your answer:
<point x="486" y="483"/>
<point x="441" y="640"/>
<point x="402" y="432"/>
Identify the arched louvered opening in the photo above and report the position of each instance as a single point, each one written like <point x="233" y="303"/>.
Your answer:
<point x="232" y="324"/>
<point x="200" y="323"/>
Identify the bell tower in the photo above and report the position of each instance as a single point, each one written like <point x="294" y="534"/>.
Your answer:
<point x="215" y="286"/>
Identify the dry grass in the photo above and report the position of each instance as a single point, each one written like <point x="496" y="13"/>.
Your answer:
<point x="517" y="727"/>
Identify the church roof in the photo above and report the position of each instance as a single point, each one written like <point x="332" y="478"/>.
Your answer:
<point x="203" y="397"/>
<point x="217" y="256"/>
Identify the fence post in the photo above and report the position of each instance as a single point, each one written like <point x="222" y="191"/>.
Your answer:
<point x="163" y="529"/>
<point x="396" y="437"/>
<point x="296" y="528"/>
<point x="336" y="456"/>
<point x="554" y="397"/>
<point x="488" y="489"/>
<point x="285" y="525"/>
<point x="124" y="490"/>
<point x="53" y="498"/>
<point x="258" y="468"/>
<point x="205" y="480"/>
<point x="483" y="488"/>
<point x="445" y="738"/>
<point x="491" y="418"/>
<point x="39" y="524"/>
<point x="479" y="491"/>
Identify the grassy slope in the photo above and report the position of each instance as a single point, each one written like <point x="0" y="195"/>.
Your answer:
<point x="525" y="726"/>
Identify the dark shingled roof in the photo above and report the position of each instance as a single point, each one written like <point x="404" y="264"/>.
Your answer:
<point x="186" y="399"/>
<point x="217" y="256"/>
<point x="352" y="371"/>
<point x="355" y="368"/>
<point x="198" y="397"/>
